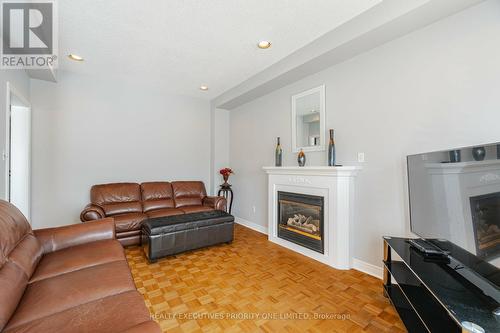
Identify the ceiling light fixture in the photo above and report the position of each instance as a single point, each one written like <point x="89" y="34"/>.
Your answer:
<point x="204" y="88"/>
<point x="264" y="44"/>
<point x="75" y="57"/>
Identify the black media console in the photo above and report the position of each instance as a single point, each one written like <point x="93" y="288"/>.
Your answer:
<point x="440" y="293"/>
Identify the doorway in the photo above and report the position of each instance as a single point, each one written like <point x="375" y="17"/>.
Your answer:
<point x="18" y="151"/>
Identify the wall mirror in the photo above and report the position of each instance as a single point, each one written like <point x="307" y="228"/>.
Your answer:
<point x="308" y="120"/>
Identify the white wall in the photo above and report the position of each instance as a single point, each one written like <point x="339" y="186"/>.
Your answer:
<point x="433" y="89"/>
<point x="220" y="148"/>
<point x="20" y="80"/>
<point x="88" y="132"/>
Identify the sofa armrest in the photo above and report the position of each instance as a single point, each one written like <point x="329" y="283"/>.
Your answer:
<point x="54" y="239"/>
<point x="92" y="212"/>
<point x="217" y="203"/>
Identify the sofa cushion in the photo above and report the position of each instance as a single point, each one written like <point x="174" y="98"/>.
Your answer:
<point x="118" y="198"/>
<point x="105" y="315"/>
<point x="188" y="193"/>
<point x="157" y="195"/>
<point x="196" y="209"/>
<point x="164" y="212"/>
<point x="122" y="208"/>
<point x="78" y="257"/>
<point x="59" y="293"/>
<point x="129" y="222"/>
<point x="130" y="240"/>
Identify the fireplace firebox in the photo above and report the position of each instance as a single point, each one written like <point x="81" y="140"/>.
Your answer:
<point x="486" y="223"/>
<point x="301" y="220"/>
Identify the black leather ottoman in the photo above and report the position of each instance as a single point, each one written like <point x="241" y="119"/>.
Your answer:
<point x="169" y="235"/>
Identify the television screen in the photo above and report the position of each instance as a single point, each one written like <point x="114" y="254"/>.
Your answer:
<point x="455" y="197"/>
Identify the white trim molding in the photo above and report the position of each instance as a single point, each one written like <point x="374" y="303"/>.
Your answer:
<point x="345" y="171"/>
<point x="357" y="264"/>
<point x="12" y="91"/>
<point x="251" y="225"/>
<point x="367" y="268"/>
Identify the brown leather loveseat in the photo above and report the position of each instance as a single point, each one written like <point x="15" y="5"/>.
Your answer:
<point x="67" y="279"/>
<point x="131" y="203"/>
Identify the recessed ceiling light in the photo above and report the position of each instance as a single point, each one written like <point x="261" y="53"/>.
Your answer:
<point x="75" y="57"/>
<point x="264" y="44"/>
<point x="204" y="88"/>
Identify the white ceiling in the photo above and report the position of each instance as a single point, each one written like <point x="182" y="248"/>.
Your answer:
<point x="177" y="45"/>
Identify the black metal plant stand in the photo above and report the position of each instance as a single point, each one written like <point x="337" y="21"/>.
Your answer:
<point x="227" y="192"/>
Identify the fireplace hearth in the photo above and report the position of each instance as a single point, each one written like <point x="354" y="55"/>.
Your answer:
<point x="486" y="223"/>
<point x="300" y="219"/>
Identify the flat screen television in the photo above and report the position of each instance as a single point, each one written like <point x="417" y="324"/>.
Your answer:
<point x="454" y="198"/>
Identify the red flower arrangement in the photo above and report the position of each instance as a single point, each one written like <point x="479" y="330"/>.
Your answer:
<point x="226" y="172"/>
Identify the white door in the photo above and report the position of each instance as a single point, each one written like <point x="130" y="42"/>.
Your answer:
<point x="20" y="159"/>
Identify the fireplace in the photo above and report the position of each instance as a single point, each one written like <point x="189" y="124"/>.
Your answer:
<point x="300" y="220"/>
<point x="486" y="223"/>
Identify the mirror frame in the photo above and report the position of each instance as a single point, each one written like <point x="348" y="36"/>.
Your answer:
<point x="322" y="121"/>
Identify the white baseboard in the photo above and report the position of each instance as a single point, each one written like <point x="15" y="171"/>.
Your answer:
<point x="367" y="268"/>
<point x="357" y="264"/>
<point x="252" y="225"/>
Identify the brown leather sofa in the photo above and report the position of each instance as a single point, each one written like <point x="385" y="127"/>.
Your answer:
<point x="131" y="203"/>
<point x="67" y="279"/>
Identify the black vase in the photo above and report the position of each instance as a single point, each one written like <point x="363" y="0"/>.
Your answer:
<point x="455" y="156"/>
<point x="498" y="152"/>
<point x="278" y="155"/>
<point x="478" y="153"/>
<point x="331" y="150"/>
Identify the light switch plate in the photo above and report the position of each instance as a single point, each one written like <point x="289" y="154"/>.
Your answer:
<point x="361" y="157"/>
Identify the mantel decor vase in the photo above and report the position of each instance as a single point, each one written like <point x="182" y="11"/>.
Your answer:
<point x="331" y="150"/>
<point x="278" y="155"/>
<point x="301" y="158"/>
<point x="478" y="153"/>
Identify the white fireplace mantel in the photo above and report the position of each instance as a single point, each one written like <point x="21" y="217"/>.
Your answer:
<point x="337" y="186"/>
<point x="349" y="171"/>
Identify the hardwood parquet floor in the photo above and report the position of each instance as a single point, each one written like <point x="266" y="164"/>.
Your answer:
<point x="253" y="285"/>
